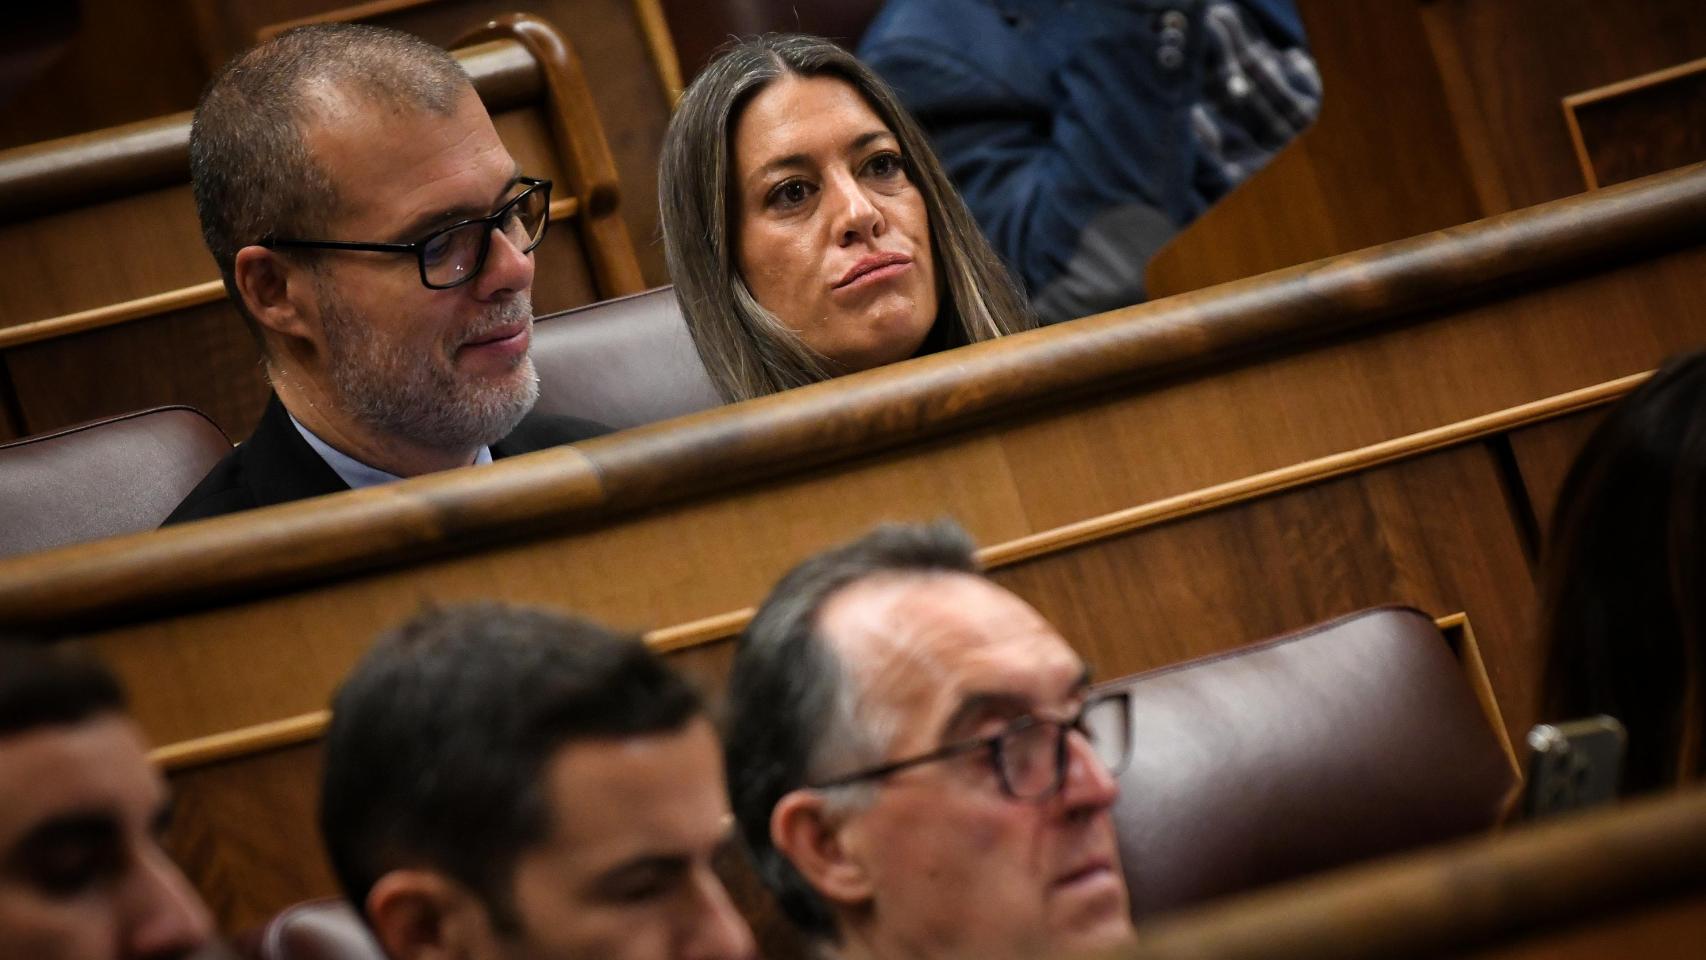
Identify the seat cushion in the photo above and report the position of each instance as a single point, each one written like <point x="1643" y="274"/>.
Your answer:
<point x="1343" y="742"/>
<point x="622" y="362"/>
<point x="119" y="475"/>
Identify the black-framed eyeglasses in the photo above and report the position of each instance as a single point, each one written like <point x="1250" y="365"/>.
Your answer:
<point x="1030" y="755"/>
<point x="454" y="255"/>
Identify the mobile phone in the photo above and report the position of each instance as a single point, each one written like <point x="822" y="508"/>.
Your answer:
<point x="1573" y="765"/>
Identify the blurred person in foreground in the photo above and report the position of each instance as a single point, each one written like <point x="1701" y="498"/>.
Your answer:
<point x="920" y="766"/>
<point x="82" y="872"/>
<point x="509" y="783"/>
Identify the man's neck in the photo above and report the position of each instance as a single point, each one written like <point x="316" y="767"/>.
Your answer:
<point x="394" y="455"/>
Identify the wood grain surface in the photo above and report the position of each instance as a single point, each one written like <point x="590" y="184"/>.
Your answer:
<point x="1638" y="871"/>
<point x="1319" y="395"/>
<point x="1434" y="112"/>
<point x="1091" y="394"/>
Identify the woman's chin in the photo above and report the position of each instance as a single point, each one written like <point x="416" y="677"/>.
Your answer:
<point x="889" y="338"/>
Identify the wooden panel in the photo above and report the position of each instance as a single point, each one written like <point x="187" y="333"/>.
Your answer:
<point x="126" y="61"/>
<point x="1617" y="880"/>
<point x="1193" y="474"/>
<point x="85" y="257"/>
<point x="1672" y="929"/>
<point x="1381" y="161"/>
<point x="1434" y="112"/>
<point x="1641" y="126"/>
<point x="1432" y="531"/>
<point x="247" y="834"/>
<point x="1511" y="63"/>
<point x="1435" y="533"/>
<point x="699" y="28"/>
<point x="1544" y="454"/>
<point x="202" y="356"/>
<point x="1015" y="437"/>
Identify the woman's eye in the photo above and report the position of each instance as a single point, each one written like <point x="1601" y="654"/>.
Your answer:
<point x="791" y="193"/>
<point x="885" y="165"/>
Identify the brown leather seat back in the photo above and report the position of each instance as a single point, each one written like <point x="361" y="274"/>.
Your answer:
<point x="1353" y="739"/>
<point x="621" y="362"/>
<point x="312" y="930"/>
<point x="119" y="475"/>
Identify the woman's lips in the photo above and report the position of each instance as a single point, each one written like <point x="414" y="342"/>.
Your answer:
<point x="874" y="269"/>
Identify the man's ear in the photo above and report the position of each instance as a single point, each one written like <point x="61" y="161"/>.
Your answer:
<point x="811" y="833"/>
<point x="424" y="915"/>
<point x="275" y="290"/>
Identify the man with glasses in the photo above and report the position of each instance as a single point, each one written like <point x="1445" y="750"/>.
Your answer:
<point x="918" y="762"/>
<point x="377" y="238"/>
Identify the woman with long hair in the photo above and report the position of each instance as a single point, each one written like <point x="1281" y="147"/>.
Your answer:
<point x="1623" y="589"/>
<point x="809" y="228"/>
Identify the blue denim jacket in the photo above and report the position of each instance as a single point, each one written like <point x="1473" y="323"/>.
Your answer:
<point x="1067" y="125"/>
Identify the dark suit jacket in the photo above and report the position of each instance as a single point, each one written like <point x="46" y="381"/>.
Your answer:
<point x="276" y="465"/>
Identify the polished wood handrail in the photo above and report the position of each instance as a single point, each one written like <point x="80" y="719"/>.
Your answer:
<point x="1541" y="878"/>
<point x="225" y="559"/>
<point x="150" y="154"/>
<point x="579" y="134"/>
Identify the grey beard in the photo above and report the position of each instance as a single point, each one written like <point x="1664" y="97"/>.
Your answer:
<point x="413" y="399"/>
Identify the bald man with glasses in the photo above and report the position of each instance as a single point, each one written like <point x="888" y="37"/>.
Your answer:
<point x="377" y="238"/>
<point x="919" y="764"/>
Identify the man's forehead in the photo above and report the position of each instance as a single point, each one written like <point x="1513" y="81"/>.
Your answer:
<point x="98" y="764"/>
<point x="905" y="636"/>
<point x="612" y="791"/>
<point x="378" y="154"/>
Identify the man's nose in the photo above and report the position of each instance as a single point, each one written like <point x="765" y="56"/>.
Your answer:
<point x="164" y="918"/>
<point x="506" y="272"/>
<point x="1088" y="785"/>
<point x="719" y="931"/>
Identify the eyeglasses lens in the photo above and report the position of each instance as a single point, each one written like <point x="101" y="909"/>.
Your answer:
<point x="1034" y="755"/>
<point x="1030" y="759"/>
<point x="450" y="257"/>
<point x="1107" y="725"/>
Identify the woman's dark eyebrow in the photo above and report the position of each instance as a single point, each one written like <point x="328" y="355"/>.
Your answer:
<point x="858" y="143"/>
<point x="869" y="137"/>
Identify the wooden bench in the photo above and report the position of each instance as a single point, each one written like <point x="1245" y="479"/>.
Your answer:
<point x="1162" y="482"/>
<point x="1626" y="881"/>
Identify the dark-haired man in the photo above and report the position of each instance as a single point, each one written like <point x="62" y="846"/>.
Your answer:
<point x="508" y="783"/>
<point x="377" y="237"/>
<point x="919" y="765"/>
<point x="82" y="874"/>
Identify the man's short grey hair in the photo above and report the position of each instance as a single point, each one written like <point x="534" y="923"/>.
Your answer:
<point x="794" y="714"/>
<point x="250" y="167"/>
